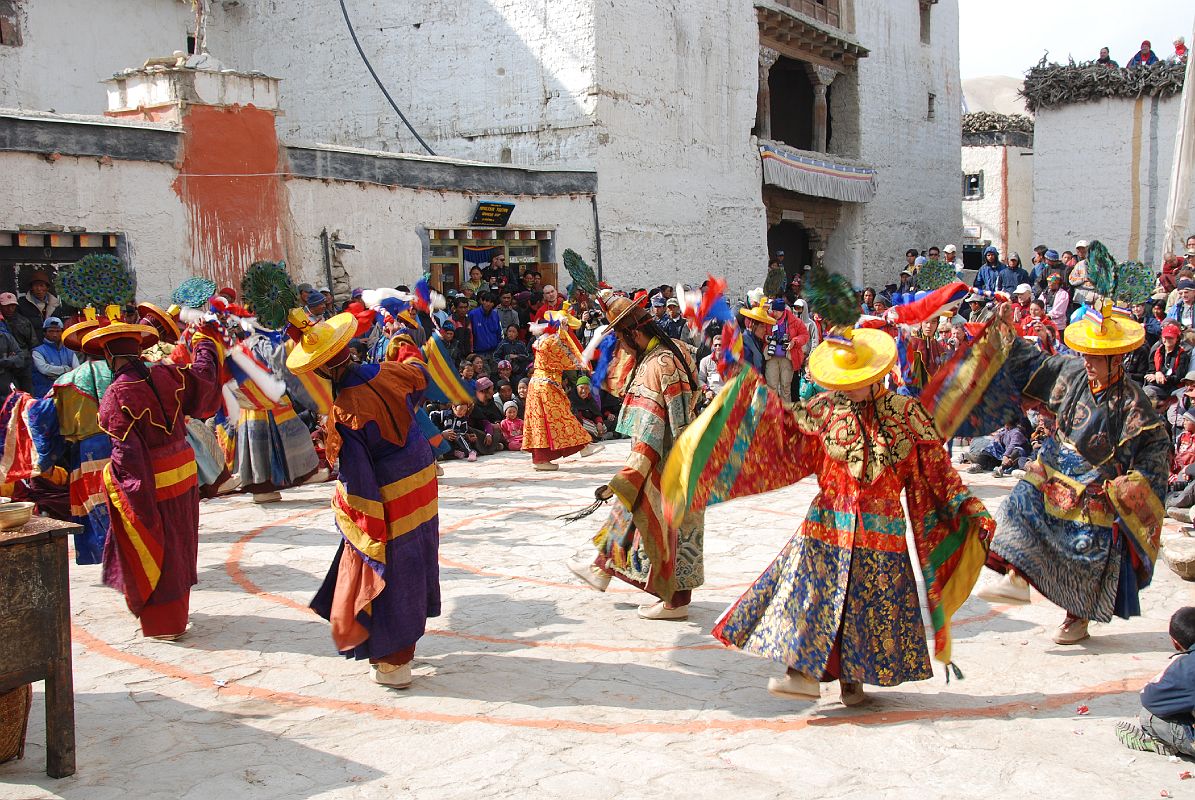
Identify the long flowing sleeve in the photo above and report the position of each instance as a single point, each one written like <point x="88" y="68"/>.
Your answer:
<point x="746" y="442"/>
<point x="201" y="395"/>
<point x="951" y="531"/>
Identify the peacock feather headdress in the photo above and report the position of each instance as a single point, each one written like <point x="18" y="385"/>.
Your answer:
<point x="96" y="280"/>
<point x="194" y="293"/>
<point x="832" y="297"/>
<point x="582" y="274"/>
<point x="935" y="274"/>
<point x="269" y="291"/>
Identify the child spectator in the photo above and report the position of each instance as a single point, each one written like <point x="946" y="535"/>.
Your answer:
<point x="1167" y="726"/>
<point x="512" y="426"/>
<point x="514" y="350"/>
<point x="480" y="368"/>
<point x="455" y="424"/>
<point x="1008" y="446"/>
<point x="466" y="370"/>
<point x="504" y="372"/>
<point x="521" y="395"/>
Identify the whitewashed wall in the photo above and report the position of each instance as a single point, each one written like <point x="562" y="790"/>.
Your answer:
<point x="137" y="199"/>
<point x="69" y="47"/>
<point x="678" y="170"/>
<point x="1094" y="179"/>
<point x="917" y="204"/>
<point x="473" y="76"/>
<point x="1007" y="190"/>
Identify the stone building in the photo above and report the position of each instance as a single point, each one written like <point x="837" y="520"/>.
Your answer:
<point x="677" y="139"/>
<point x="997" y="186"/>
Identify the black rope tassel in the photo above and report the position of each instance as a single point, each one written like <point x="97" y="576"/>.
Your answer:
<point x="584" y="512"/>
<point x="958" y="673"/>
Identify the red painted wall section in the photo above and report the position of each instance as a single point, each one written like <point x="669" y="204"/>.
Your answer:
<point x="230" y="184"/>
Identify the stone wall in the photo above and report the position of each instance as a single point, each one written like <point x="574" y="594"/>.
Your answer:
<point x="1102" y="171"/>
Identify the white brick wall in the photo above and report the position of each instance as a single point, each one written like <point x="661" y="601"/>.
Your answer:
<point x="1007" y="189"/>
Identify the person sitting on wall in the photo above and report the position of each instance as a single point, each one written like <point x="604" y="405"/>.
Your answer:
<point x="1105" y="60"/>
<point x="1143" y="57"/>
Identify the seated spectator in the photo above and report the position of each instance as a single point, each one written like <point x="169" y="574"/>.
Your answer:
<point x="586" y="410"/>
<point x="1105" y="59"/>
<point x="1008" y="449"/>
<point x="1180" y="50"/>
<point x="1143" y="57"/>
<point x="521" y="395"/>
<point x="454" y="424"/>
<point x="481" y="368"/>
<point x="466" y="370"/>
<point x="512" y="426"/>
<point x="487" y="333"/>
<point x="1182" y="465"/>
<point x="504" y="392"/>
<point x="707" y="371"/>
<point x="486" y="418"/>
<point x="1183" y="312"/>
<point x="1040" y="328"/>
<point x="1169" y="362"/>
<point x="1167" y="724"/>
<point x="1056" y="300"/>
<point x="456" y="351"/>
<point x="515" y="351"/>
<point x="51" y="359"/>
<point x="1022" y="298"/>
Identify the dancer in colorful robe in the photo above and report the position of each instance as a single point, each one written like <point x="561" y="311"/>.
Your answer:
<point x="68" y="418"/>
<point x="384" y="581"/>
<point x="1084" y="524"/>
<point x="657" y="405"/>
<point x="274" y="449"/>
<point x="551" y="431"/>
<point x="840" y="601"/>
<point x="153" y="496"/>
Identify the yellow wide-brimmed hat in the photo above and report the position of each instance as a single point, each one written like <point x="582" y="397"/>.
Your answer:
<point x="163" y="320"/>
<point x="1103" y="333"/>
<point x="852" y="359"/>
<point x="105" y="336"/>
<point x="320" y="341"/>
<point x="759" y="313"/>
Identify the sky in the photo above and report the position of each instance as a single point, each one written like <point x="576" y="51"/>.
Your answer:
<point x="1006" y="37"/>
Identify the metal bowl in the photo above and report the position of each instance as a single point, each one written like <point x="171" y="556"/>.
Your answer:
<point x="14" y="515"/>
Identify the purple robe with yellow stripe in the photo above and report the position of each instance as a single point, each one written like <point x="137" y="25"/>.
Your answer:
<point x="153" y="493"/>
<point x="384" y="581"/>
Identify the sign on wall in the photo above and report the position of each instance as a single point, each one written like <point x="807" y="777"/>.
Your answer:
<point x="492" y="213"/>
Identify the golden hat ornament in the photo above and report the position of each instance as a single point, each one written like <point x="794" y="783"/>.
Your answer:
<point x="564" y="316"/>
<point x="759" y="313"/>
<point x="1104" y="333"/>
<point x="852" y="359"/>
<point x="320" y="341"/>
<point x="72" y="337"/>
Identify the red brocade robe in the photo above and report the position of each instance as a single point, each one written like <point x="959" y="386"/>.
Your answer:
<point x="151" y="483"/>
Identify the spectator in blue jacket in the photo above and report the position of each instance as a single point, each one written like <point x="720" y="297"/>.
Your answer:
<point x="1143" y="57"/>
<point x="1183" y="311"/>
<point x="51" y="359"/>
<point x="487" y="328"/>
<point x="988" y="278"/>
<point x="1167" y="725"/>
<point x="1013" y="275"/>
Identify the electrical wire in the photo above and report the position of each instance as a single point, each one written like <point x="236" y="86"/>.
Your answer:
<point x="364" y="58"/>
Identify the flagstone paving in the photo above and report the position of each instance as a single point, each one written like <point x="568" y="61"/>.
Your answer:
<point x="530" y="684"/>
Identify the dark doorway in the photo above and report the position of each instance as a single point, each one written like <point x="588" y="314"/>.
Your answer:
<point x="791" y="96"/>
<point x="791" y="238"/>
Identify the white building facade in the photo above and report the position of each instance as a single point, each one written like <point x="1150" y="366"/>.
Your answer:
<point x="998" y="192"/>
<point x="705" y="134"/>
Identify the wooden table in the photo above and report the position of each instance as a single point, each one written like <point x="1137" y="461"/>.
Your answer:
<point x="35" y="628"/>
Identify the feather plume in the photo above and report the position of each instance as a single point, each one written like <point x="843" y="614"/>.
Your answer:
<point x="1101" y="269"/>
<point x="244" y="361"/>
<point x="269" y="291"/>
<point x="605" y="357"/>
<point x="591" y="349"/>
<point x="582" y="274"/>
<point x="1134" y="283"/>
<point x="194" y="292"/>
<point x="372" y="298"/>
<point x="831" y="296"/>
<point x="95" y="280"/>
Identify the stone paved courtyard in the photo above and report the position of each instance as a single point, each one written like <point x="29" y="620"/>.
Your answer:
<point x="532" y="685"/>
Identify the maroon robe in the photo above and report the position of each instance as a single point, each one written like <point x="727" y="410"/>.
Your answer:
<point x="153" y="491"/>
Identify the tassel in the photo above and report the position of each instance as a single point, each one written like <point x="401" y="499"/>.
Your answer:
<point x="584" y="512"/>
<point x="958" y="673"/>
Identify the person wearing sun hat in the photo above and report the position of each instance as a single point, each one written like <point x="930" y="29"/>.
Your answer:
<point x="1083" y="525"/>
<point x="150" y="482"/>
<point x="840" y="601"/>
<point x="550" y="431"/>
<point x="383" y="583"/>
<point x="659" y="397"/>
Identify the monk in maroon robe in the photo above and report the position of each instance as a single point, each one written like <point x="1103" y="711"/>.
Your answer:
<point x="153" y="493"/>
